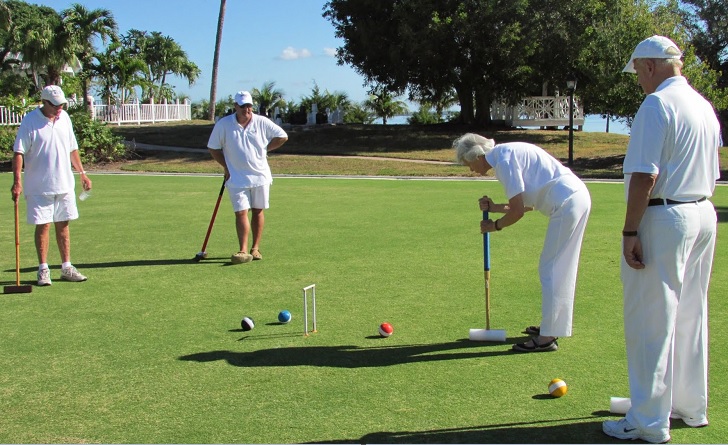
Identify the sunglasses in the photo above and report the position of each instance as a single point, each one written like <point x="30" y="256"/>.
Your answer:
<point x="54" y="105"/>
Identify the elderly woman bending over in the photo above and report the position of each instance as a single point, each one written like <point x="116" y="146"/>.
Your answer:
<point x="533" y="179"/>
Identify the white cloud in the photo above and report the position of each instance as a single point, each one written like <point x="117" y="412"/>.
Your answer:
<point x="292" y="53"/>
<point x="330" y="52"/>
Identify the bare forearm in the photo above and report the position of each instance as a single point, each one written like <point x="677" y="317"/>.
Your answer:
<point x="218" y="156"/>
<point x="76" y="161"/>
<point x="640" y="188"/>
<point x="17" y="167"/>
<point x="276" y="143"/>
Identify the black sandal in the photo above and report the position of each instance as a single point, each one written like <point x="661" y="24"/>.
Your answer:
<point x="533" y="330"/>
<point x="552" y="345"/>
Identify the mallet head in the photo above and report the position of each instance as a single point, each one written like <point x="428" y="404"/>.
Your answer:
<point x="487" y="335"/>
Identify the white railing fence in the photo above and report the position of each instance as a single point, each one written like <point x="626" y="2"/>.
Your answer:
<point x="537" y="111"/>
<point x="138" y="113"/>
<point x="133" y="113"/>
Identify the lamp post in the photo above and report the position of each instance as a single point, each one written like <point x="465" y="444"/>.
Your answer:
<point x="571" y="86"/>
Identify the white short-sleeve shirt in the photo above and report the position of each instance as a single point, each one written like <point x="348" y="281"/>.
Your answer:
<point x="676" y="136"/>
<point x="46" y="147"/>
<point x="528" y="169"/>
<point x="245" y="149"/>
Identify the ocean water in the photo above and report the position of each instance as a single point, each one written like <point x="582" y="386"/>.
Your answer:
<point x="592" y="123"/>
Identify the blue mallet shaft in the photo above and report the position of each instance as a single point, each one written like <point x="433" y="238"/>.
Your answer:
<point x="486" y="273"/>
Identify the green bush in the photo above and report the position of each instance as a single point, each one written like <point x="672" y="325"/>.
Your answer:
<point x="423" y="116"/>
<point x="7" y="137"/>
<point x="96" y="142"/>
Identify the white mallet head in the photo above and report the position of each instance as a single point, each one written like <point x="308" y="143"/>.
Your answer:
<point x="487" y="335"/>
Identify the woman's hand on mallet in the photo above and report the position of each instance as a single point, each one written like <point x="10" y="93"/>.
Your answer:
<point x="487" y="226"/>
<point x="486" y="204"/>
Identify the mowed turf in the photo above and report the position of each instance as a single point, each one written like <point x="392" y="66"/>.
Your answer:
<point x="150" y="349"/>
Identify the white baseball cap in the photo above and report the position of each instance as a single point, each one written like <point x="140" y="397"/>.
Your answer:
<point x="655" y="47"/>
<point x="53" y="94"/>
<point x="243" y="97"/>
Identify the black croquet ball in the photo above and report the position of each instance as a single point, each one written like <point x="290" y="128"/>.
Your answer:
<point x="247" y="323"/>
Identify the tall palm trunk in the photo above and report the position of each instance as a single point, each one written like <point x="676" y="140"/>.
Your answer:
<point x="215" y="60"/>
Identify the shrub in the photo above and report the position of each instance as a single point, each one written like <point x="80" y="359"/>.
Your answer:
<point x="96" y="142"/>
<point x="7" y="139"/>
<point x="423" y="116"/>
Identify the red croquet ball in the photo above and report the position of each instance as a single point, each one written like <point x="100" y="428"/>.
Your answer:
<point x="385" y="329"/>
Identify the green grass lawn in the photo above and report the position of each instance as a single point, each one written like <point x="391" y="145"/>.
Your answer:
<point x="150" y="349"/>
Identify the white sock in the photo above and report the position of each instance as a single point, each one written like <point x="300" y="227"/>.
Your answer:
<point x="66" y="265"/>
<point x="43" y="266"/>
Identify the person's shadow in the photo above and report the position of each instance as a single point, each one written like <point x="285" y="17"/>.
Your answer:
<point x="348" y="356"/>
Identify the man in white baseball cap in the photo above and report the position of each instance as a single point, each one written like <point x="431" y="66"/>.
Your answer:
<point x="655" y="47"/>
<point x="668" y="242"/>
<point x="53" y="94"/>
<point x="240" y="143"/>
<point x="46" y="148"/>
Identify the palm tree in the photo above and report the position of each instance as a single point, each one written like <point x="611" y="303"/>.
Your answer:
<point x="163" y="57"/>
<point x="268" y="98"/>
<point x="216" y="60"/>
<point x="118" y="68"/>
<point x="83" y="26"/>
<point x="45" y="47"/>
<point x="384" y="104"/>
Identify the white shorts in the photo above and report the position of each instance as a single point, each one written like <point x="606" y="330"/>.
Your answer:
<point x="247" y="198"/>
<point x="45" y="209"/>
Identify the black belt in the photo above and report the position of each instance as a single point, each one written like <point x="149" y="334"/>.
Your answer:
<point x="662" y="201"/>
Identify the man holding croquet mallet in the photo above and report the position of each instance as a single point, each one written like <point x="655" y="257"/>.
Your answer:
<point x="668" y="241"/>
<point x="46" y="146"/>
<point x="240" y="143"/>
<point x="533" y="179"/>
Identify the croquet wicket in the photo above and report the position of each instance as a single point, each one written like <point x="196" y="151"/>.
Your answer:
<point x="312" y="288"/>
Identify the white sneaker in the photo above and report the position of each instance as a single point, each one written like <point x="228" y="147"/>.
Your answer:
<point x="622" y="429"/>
<point x="71" y="274"/>
<point x="695" y="422"/>
<point x="44" y="277"/>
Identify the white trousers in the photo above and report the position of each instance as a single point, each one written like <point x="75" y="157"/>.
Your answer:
<point x="666" y="315"/>
<point x="560" y="256"/>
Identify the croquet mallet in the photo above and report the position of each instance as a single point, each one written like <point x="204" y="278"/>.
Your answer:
<point x="487" y="334"/>
<point x="202" y="254"/>
<point x="17" y="289"/>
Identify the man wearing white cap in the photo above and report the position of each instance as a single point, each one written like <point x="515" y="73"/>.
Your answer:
<point x="46" y="146"/>
<point x="669" y="232"/>
<point x="240" y="143"/>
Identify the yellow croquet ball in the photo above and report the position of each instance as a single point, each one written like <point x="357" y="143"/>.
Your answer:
<point x="557" y="388"/>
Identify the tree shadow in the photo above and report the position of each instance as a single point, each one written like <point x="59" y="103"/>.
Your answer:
<point x="577" y="431"/>
<point x="348" y="356"/>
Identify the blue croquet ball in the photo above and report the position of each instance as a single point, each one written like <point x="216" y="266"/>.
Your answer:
<point x="284" y="316"/>
<point x="247" y="323"/>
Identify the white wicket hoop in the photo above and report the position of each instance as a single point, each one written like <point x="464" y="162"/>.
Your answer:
<point x="312" y="288"/>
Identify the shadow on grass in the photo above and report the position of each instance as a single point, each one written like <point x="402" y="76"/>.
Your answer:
<point x="515" y="432"/>
<point x="134" y="263"/>
<point x="348" y="356"/>
<point x="722" y="213"/>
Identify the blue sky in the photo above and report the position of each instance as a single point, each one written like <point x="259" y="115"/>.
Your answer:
<point x="284" y="41"/>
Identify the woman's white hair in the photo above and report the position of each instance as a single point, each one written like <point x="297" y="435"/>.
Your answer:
<point x="470" y="145"/>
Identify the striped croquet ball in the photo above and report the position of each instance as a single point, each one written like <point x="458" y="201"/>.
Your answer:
<point x="284" y="316"/>
<point x="385" y="329"/>
<point x="557" y="388"/>
<point x="247" y="323"/>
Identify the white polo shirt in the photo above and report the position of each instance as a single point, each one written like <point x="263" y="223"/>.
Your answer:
<point x="676" y="136"/>
<point x="46" y="147"/>
<point x="528" y="169"/>
<point x="245" y="149"/>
